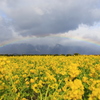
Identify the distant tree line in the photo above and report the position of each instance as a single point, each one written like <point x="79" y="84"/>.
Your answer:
<point x="75" y="54"/>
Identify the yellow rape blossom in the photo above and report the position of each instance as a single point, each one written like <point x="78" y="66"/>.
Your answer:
<point x="50" y="77"/>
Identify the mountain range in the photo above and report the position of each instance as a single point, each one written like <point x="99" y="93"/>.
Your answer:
<point x="45" y="49"/>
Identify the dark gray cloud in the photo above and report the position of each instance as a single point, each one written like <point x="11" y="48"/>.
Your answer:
<point x="35" y="17"/>
<point x="5" y="32"/>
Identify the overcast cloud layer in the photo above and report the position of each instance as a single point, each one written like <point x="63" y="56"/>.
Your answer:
<point x="40" y="18"/>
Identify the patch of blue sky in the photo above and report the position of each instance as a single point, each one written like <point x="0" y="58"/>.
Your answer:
<point x="97" y="24"/>
<point x="5" y="17"/>
<point x="3" y="14"/>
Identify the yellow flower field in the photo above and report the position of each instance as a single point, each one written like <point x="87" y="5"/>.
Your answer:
<point x="50" y="77"/>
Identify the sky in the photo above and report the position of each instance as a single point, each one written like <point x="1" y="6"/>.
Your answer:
<point x="50" y="22"/>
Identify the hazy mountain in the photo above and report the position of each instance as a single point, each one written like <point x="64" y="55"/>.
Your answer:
<point x="45" y="49"/>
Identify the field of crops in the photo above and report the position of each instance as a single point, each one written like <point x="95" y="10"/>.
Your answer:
<point x="50" y="77"/>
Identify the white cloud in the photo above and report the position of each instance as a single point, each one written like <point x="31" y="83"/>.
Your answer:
<point x="85" y="32"/>
<point x="39" y="11"/>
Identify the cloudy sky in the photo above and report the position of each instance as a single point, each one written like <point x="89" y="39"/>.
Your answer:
<point x="49" y="21"/>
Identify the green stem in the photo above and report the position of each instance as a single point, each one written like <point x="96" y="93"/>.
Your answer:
<point x="46" y="93"/>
